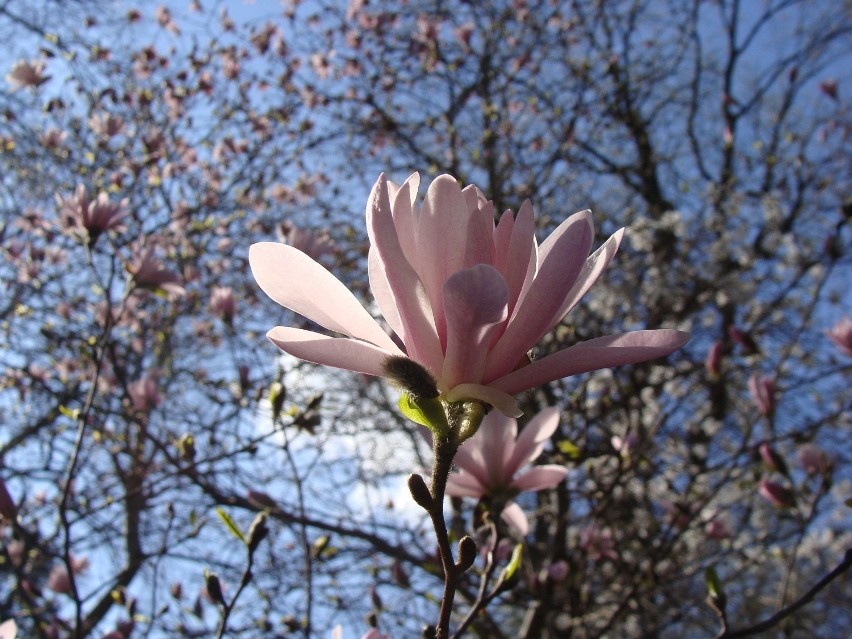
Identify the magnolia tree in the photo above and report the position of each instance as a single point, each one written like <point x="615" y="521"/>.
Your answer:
<point x="457" y="434"/>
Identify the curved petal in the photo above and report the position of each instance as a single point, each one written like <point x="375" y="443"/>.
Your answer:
<point x="496" y="437"/>
<point x="415" y="314"/>
<point x="442" y="239"/>
<point x="562" y="258"/>
<point x="503" y="402"/>
<point x="464" y="484"/>
<point x="540" y="477"/>
<point x="514" y="516"/>
<point x="474" y="304"/>
<point x="592" y="269"/>
<point x="297" y="282"/>
<point x="522" y="258"/>
<point x="531" y="440"/>
<point x="340" y="352"/>
<point x="602" y="352"/>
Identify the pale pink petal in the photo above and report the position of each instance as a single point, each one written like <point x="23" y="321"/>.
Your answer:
<point x="8" y="629"/>
<point x="480" y="228"/>
<point x="602" y="352"/>
<point x="297" y="282"/>
<point x="404" y="216"/>
<point x="340" y="352"/>
<point x="540" y="477"/>
<point x="531" y="440"/>
<point x="594" y="265"/>
<point x="522" y="260"/>
<point x="500" y="400"/>
<point x="474" y="304"/>
<point x="496" y="439"/>
<point x="464" y="484"/>
<point x="568" y="248"/>
<point x="441" y="241"/>
<point x="408" y="295"/>
<point x="383" y="295"/>
<point x="514" y="516"/>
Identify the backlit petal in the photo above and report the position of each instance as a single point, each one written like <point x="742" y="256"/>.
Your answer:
<point x="297" y="282"/>
<point x="602" y="352"/>
<point x="474" y="303"/>
<point x="531" y="440"/>
<point x="540" y="477"/>
<point x="514" y="516"/>
<point x="339" y="352"/>
<point x="503" y="402"/>
<point x="562" y="258"/>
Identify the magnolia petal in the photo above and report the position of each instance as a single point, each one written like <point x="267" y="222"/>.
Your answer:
<point x="495" y="439"/>
<point x="297" y="282"/>
<point x="500" y="400"/>
<point x="567" y="250"/>
<point x="474" y="304"/>
<point x="514" y="516"/>
<point x="540" y="477"/>
<point x="339" y="352"/>
<point x="592" y="269"/>
<point x="383" y="294"/>
<point x="531" y="440"/>
<point x="415" y="316"/>
<point x="465" y="484"/>
<point x="522" y="259"/>
<point x="602" y="352"/>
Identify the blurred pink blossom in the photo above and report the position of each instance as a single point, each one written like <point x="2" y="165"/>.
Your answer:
<point x="372" y="633"/>
<point x="58" y="579"/>
<point x="598" y="543"/>
<point x="144" y="395"/>
<point x="777" y="495"/>
<point x="813" y="460"/>
<point x="314" y="244"/>
<point x="841" y="335"/>
<point x="92" y="217"/>
<point x="27" y="74"/>
<point x="223" y="304"/>
<point x="106" y="125"/>
<point x="467" y="299"/>
<point x="148" y="272"/>
<point x="490" y="460"/>
<point x="762" y="391"/>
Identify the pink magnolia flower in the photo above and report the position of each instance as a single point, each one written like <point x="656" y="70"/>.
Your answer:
<point x="467" y="298"/>
<point x="490" y="460"/>
<point x="841" y="335"/>
<point x="27" y="73"/>
<point x="148" y="272"/>
<point x="762" y="391"/>
<point x="93" y="217"/>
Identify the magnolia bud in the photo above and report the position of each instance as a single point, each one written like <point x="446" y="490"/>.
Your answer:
<point x="213" y="587"/>
<point x="257" y="532"/>
<point x="419" y="492"/>
<point x="467" y="553"/>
